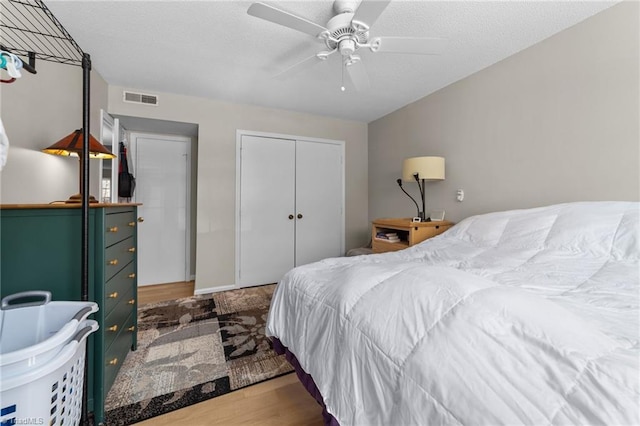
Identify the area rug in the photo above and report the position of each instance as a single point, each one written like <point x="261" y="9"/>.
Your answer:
<point x="194" y="349"/>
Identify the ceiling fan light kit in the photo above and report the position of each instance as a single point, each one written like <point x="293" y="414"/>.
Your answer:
<point x="346" y="33"/>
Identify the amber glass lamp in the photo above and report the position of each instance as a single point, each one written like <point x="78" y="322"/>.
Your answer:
<point x="71" y="146"/>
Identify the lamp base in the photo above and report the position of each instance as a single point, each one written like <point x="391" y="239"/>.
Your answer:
<point x="77" y="199"/>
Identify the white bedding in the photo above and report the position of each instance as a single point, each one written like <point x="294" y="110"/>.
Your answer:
<point x="518" y="317"/>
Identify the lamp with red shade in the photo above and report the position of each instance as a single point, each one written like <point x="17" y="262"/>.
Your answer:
<point x="71" y="146"/>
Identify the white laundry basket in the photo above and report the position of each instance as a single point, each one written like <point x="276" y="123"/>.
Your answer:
<point x="50" y="394"/>
<point x="34" y="332"/>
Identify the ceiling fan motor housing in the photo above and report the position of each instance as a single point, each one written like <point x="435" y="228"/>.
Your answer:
<point x="342" y="35"/>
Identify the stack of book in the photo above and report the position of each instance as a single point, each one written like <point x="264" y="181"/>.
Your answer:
<point x="391" y="237"/>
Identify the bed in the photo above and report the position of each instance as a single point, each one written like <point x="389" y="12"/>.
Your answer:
<point x="517" y="317"/>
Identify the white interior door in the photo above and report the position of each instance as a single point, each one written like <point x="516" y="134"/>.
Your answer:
<point x="319" y="201"/>
<point x="266" y="209"/>
<point x="162" y="178"/>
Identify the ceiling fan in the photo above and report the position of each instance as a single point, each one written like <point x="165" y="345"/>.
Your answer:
<point x="346" y="33"/>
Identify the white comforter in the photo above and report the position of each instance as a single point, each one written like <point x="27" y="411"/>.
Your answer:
<point x="518" y="317"/>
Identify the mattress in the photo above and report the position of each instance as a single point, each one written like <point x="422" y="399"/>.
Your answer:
<point x="517" y="317"/>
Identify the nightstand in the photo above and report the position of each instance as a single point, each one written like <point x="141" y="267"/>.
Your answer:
<point x="409" y="233"/>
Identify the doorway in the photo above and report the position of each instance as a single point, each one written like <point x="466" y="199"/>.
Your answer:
<point x="163" y="181"/>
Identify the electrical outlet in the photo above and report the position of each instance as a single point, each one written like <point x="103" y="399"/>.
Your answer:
<point x="460" y="195"/>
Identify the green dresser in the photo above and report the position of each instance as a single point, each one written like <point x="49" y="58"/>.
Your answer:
<point x="40" y="250"/>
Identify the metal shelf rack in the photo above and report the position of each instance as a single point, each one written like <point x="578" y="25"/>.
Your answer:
<point x="28" y="28"/>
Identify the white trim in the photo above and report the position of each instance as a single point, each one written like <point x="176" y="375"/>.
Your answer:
<point x="293" y="138"/>
<point x="174" y="138"/>
<point x="239" y="133"/>
<point x="214" y="289"/>
<point x="236" y="273"/>
<point x="108" y="121"/>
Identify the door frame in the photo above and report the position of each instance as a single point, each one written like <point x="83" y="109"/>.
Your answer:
<point x="293" y="138"/>
<point x="132" y="153"/>
<point x="106" y="120"/>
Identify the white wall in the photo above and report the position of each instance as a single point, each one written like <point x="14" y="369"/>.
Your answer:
<point x="37" y="111"/>
<point x="217" y="123"/>
<point x="554" y="123"/>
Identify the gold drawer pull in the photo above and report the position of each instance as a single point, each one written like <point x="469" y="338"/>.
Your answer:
<point x="113" y="262"/>
<point x="113" y="328"/>
<point x="132" y="224"/>
<point x="132" y="250"/>
<point x="132" y="302"/>
<point x="132" y="328"/>
<point x="132" y="276"/>
<point x="141" y="219"/>
<point x="113" y="361"/>
<point x="113" y="229"/>
<point x="113" y="295"/>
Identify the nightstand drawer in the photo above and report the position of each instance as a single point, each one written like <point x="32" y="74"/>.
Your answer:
<point x="117" y="352"/>
<point x="113" y="322"/>
<point x="119" y="226"/>
<point x="385" y="246"/>
<point x="117" y="256"/>
<point x="118" y="286"/>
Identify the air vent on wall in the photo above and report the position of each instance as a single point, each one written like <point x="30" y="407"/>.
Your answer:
<point x="140" y="98"/>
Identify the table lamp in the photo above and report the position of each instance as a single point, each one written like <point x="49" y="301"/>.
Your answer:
<point x="422" y="169"/>
<point x="71" y="146"/>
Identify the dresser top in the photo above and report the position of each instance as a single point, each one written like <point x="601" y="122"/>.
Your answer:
<point x="64" y="205"/>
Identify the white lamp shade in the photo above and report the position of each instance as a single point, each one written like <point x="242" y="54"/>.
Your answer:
<point x="429" y="168"/>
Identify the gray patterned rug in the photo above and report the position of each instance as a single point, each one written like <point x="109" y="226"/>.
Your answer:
<point x="194" y="349"/>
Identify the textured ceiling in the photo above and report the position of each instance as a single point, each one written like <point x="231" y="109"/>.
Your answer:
<point x="214" y="49"/>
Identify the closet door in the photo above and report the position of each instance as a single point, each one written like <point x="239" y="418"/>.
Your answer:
<point x="267" y="221"/>
<point x="319" y="201"/>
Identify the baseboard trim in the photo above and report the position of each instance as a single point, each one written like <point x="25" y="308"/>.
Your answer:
<point x="215" y="289"/>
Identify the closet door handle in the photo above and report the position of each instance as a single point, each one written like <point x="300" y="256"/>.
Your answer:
<point x="290" y="217"/>
<point x="299" y="216"/>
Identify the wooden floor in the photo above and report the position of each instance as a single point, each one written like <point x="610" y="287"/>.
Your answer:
<point x="282" y="401"/>
<point x="162" y="292"/>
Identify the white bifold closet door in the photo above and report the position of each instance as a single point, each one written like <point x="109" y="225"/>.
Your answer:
<point x="291" y="202"/>
<point x="318" y="204"/>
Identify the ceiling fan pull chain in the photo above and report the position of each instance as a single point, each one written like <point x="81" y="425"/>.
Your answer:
<point x="343" y="65"/>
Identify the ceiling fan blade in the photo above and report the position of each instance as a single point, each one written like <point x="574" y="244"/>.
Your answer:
<point x="358" y="75"/>
<point x="277" y="16"/>
<point x="414" y="45"/>
<point x="298" y="67"/>
<point x="369" y="11"/>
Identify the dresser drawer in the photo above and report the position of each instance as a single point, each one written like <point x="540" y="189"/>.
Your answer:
<point x="117" y="287"/>
<point x="118" y="256"/>
<point x="119" y="226"/>
<point x="114" y="321"/>
<point x="117" y="352"/>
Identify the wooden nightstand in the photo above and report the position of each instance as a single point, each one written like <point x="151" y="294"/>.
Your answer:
<point x="410" y="233"/>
